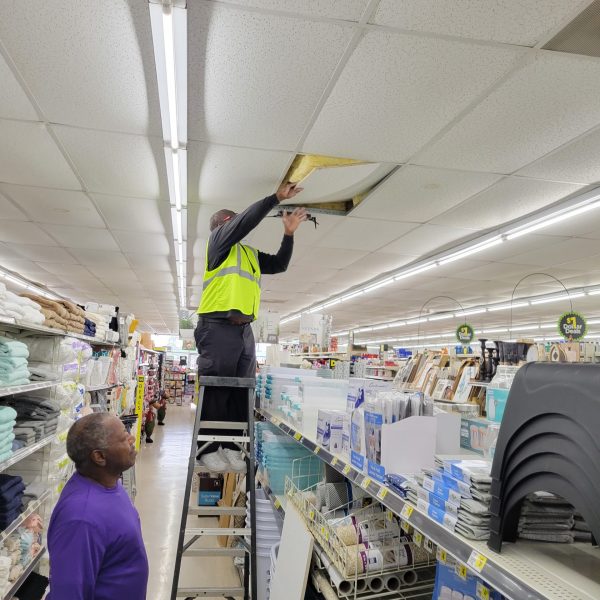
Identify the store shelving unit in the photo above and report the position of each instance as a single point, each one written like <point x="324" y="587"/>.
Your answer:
<point x="19" y="455"/>
<point x="524" y="571"/>
<point x="28" y="387"/>
<point x="31" y="508"/>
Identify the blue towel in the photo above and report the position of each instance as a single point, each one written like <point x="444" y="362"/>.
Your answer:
<point x="13" y="347"/>
<point x="18" y="376"/>
<point x="7" y="414"/>
<point x="11" y="504"/>
<point x="8" y="362"/>
<point x="8" y="481"/>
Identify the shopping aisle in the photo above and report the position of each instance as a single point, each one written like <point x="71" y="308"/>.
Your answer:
<point x="161" y="471"/>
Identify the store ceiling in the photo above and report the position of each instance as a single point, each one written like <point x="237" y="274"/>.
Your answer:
<point x="482" y="126"/>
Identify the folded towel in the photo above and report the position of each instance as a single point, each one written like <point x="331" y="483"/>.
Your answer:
<point x="17" y="377"/>
<point x="8" y="362"/>
<point x="7" y="414"/>
<point x="8" y="481"/>
<point x="13" y="348"/>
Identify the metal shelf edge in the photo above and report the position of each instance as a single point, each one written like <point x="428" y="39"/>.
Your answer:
<point x="19" y="455"/>
<point x="28" y="387"/>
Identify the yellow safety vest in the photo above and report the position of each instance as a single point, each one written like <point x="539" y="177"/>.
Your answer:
<point x="234" y="284"/>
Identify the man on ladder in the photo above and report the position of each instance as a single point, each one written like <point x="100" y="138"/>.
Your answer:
<point x="227" y="369"/>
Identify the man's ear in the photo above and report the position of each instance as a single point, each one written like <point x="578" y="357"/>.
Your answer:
<point x="98" y="458"/>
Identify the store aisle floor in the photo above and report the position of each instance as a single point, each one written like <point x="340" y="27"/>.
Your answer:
<point x="161" y="470"/>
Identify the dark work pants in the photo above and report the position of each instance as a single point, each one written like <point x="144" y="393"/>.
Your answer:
<point x="224" y="350"/>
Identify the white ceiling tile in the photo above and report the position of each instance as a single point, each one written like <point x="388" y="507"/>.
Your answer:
<point x="387" y="113"/>
<point x="89" y="63"/>
<point x="44" y="253"/>
<point x="134" y="214"/>
<point x="61" y="207"/>
<point x="348" y="10"/>
<point x="67" y="270"/>
<point x="28" y="155"/>
<point x="82" y="237"/>
<point x="210" y="169"/>
<point x="14" y="103"/>
<point x="93" y="257"/>
<point x="366" y="234"/>
<point x="132" y="242"/>
<point x="578" y="161"/>
<point x="556" y="254"/>
<point x="546" y="103"/>
<point x="509" y="21"/>
<point x="21" y="232"/>
<point x="335" y="258"/>
<point x="116" y="163"/>
<point x="509" y="199"/>
<point x="150" y="261"/>
<point x="425" y="239"/>
<point x="9" y="211"/>
<point x="372" y="265"/>
<point x="149" y="278"/>
<point x="255" y="79"/>
<point x="420" y="193"/>
<point x="108" y="274"/>
<point x="510" y="249"/>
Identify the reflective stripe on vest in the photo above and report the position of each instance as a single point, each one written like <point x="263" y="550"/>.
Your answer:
<point x="237" y="270"/>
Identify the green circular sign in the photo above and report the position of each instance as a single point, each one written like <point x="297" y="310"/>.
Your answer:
<point x="572" y="326"/>
<point x="465" y="334"/>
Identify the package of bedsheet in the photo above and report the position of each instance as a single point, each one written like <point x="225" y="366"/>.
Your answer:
<point x="449" y="585"/>
<point x="53" y="350"/>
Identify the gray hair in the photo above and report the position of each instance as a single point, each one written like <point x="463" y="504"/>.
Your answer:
<point x="218" y="218"/>
<point x="86" y="435"/>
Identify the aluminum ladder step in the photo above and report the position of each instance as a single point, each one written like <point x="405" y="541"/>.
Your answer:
<point x="243" y="425"/>
<point x="208" y="552"/>
<point x="241" y="439"/>
<point x="200" y="531"/>
<point x="216" y="511"/>
<point x="213" y="592"/>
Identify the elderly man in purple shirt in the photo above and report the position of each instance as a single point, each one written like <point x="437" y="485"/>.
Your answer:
<point x="95" y="538"/>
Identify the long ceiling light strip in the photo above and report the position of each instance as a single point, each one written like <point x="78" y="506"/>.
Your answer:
<point x="567" y="209"/>
<point x="169" y="37"/>
<point x="518" y="303"/>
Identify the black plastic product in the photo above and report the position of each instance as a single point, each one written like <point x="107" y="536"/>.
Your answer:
<point x="547" y="399"/>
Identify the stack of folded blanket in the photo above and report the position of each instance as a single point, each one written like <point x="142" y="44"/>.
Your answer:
<point x="13" y="362"/>
<point x="55" y="314"/>
<point x="76" y="317"/>
<point x="21" y="309"/>
<point x="11" y="499"/>
<point x="37" y="417"/>
<point x="7" y="423"/>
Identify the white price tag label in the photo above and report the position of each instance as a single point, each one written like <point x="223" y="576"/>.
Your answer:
<point x="483" y="593"/>
<point x="382" y="493"/>
<point x="477" y="561"/>
<point x="441" y="556"/>
<point x="407" y="510"/>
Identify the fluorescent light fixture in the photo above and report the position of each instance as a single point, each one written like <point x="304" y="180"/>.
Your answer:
<point x="524" y="328"/>
<point x="290" y="319"/>
<point x="558" y="298"/>
<point x="471" y="250"/>
<point x="593" y="292"/>
<point x="363" y="329"/>
<point x="472" y="311"/>
<point x="497" y="330"/>
<point x="331" y="303"/>
<point x="415" y="271"/>
<point x="378" y="285"/>
<point x="548" y="326"/>
<point x="397" y="324"/>
<point x="350" y="296"/>
<point x="508" y="305"/>
<point x="441" y="317"/>
<point x="415" y="321"/>
<point x="590" y="203"/>
<point x="377" y="327"/>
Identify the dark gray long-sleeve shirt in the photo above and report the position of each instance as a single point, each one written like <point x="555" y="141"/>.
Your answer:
<point x="234" y="231"/>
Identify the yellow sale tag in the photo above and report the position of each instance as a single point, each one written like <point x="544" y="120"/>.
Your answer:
<point x="316" y="450"/>
<point x="327" y="535"/>
<point x="322" y="530"/>
<point x="477" y="561"/>
<point x="346" y="469"/>
<point x="277" y="504"/>
<point x="418" y="537"/>
<point x="483" y="593"/>
<point x="382" y="493"/>
<point x="389" y="515"/>
<point x="365" y="483"/>
<point x="407" y="510"/>
<point x="297" y="436"/>
<point x="405" y="526"/>
<point x="461" y="571"/>
<point x="334" y="461"/>
<point x="312" y="515"/>
<point x="441" y="555"/>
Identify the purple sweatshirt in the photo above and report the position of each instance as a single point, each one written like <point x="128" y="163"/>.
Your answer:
<point x="95" y="544"/>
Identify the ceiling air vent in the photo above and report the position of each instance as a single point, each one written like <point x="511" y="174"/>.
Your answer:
<point x="581" y="35"/>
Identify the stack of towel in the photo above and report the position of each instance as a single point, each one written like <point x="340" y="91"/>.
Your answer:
<point x="101" y="322"/>
<point x="37" y="417"/>
<point x="548" y="518"/>
<point x="21" y="309"/>
<point x="13" y="362"/>
<point x="8" y="418"/>
<point x="55" y="315"/>
<point x="76" y="317"/>
<point x="11" y="499"/>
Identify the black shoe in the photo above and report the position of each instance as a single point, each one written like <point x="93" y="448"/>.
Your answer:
<point x="161" y="423"/>
<point x="149" y="441"/>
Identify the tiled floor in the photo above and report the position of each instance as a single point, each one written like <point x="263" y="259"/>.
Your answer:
<point x="161" y="471"/>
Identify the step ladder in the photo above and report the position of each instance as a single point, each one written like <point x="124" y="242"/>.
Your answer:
<point x="189" y="536"/>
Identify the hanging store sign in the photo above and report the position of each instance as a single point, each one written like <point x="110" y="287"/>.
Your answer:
<point x="572" y="326"/>
<point x="465" y="334"/>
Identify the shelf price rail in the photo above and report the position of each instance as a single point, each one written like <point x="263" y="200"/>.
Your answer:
<point x="510" y="573"/>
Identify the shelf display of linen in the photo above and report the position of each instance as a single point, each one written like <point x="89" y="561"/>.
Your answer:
<point x="7" y="423"/>
<point x="13" y="362"/>
<point x="21" y="309"/>
<point x="11" y="498"/>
